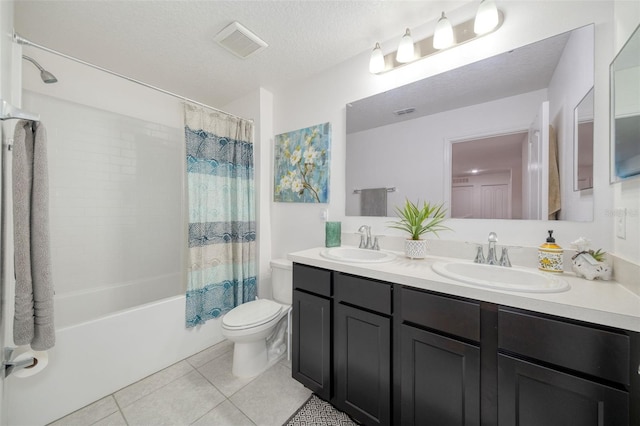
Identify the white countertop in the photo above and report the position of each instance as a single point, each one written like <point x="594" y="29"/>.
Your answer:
<point x="600" y="302"/>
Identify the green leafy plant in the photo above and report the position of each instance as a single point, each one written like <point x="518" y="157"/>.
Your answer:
<point x="418" y="221"/>
<point x="598" y="255"/>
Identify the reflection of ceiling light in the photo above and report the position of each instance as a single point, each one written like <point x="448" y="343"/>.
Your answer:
<point x="376" y="63"/>
<point x="486" y="18"/>
<point x="474" y="171"/>
<point x="443" y="35"/>
<point x="406" y="52"/>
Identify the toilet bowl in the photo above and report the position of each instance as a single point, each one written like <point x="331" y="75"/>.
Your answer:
<point x="250" y="325"/>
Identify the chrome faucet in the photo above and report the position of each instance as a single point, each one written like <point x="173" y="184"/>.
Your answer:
<point x="492" y="258"/>
<point x="365" y="238"/>
<point x="491" y="255"/>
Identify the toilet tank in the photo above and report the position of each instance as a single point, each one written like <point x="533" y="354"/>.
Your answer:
<point x="282" y="280"/>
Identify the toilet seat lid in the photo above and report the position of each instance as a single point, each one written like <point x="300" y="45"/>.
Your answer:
<point x="251" y="314"/>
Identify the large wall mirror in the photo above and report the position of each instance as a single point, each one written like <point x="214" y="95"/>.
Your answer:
<point x="492" y="139"/>
<point x="625" y="110"/>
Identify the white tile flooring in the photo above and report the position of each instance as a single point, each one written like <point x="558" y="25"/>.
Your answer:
<point x="199" y="390"/>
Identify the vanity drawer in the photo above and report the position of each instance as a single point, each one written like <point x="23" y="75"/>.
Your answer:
<point x="363" y="292"/>
<point x="452" y="316"/>
<point x="594" y="351"/>
<point x="311" y="279"/>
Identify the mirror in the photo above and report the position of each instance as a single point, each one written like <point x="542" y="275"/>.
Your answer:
<point x="624" y="75"/>
<point x="583" y="144"/>
<point x="416" y="141"/>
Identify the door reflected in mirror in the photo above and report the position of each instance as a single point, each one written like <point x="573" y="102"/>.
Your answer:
<point x="487" y="178"/>
<point x="583" y="144"/>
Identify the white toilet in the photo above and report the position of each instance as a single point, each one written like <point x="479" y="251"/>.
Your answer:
<point x="251" y="324"/>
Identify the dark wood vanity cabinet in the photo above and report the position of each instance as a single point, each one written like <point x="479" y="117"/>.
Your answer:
<point x="312" y="329"/>
<point x="439" y="359"/>
<point x="362" y="348"/>
<point x="553" y="371"/>
<point x="391" y="354"/>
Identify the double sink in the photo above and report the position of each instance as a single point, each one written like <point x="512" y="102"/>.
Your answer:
<point x="517" y="279"/>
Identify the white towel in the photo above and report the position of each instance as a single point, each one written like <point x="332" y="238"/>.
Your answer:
<point x="33" y="319"/>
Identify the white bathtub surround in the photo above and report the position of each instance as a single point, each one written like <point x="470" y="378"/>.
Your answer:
<point x="98" y="357"/>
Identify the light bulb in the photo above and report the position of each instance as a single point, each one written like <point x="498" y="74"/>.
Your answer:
<point x="486" y="18"/>
<point x="376" y="63"/>
<point x="443" y="35"/>
<point x="406" y="51"/>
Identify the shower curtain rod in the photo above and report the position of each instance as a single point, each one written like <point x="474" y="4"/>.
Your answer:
<point x="21" y="40"/>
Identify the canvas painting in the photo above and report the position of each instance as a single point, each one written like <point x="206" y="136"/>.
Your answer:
<point x="302" y="165"/>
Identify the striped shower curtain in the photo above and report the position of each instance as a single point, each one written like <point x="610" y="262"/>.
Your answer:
<point x="222" y="228"/>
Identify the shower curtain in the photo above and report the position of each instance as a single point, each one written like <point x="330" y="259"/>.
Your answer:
<point x="222" y="248"/>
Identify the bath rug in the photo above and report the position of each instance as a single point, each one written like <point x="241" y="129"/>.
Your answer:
<point x="317" y="412"/>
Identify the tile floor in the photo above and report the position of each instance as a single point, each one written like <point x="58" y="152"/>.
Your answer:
<point x="199" y="391"/>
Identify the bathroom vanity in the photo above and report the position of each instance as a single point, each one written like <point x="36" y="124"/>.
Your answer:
<point x="394" y="343"/>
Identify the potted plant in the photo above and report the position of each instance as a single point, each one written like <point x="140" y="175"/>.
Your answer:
<point x="418" y="221"/>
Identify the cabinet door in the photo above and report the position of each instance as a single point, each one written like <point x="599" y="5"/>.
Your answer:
<point x="363" y="365"/>
<point x="440" y="379"/>
<point x="532" y="395"/>
<point x="311" y="341"/>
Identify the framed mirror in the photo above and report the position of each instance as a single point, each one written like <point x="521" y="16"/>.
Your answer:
<point x="624" y="76"/>
<point x="404" y="143"/>
<point x="583" y="144"/>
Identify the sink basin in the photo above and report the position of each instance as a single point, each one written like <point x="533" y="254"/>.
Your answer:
<point x="357" y="255"/>
<point x="503" y="278"/>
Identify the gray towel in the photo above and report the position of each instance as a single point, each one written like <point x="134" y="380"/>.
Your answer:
<point x="373" y="202"/>
<point x="33" y="319"/>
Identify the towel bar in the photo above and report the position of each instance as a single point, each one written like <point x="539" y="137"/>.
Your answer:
<point x="392" y="189"/>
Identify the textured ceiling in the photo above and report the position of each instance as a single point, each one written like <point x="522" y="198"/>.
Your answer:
<point x="169" y="44"/>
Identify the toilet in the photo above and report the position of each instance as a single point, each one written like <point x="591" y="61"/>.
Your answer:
<point x="251" y="326"/>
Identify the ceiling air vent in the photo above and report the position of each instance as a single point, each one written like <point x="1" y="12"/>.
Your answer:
<point x="404" y="111"/>
<point x="240" y="41"/>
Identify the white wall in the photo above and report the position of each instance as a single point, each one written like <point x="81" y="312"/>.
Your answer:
<point x="322" y="98"/>
<point x="423" y="147"/>
<point x="626" y="199"/>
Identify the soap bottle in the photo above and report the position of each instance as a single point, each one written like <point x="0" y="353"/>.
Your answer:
<point x="550" y="255"/>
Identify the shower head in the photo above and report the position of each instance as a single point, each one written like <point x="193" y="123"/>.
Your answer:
<point x="45" y="75"/>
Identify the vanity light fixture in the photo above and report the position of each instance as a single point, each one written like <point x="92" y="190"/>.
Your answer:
<point x="406" y="49"/>
<point x="443" y="35"/>
<point x="487" y="20"/>
<point x="376" y="63"/>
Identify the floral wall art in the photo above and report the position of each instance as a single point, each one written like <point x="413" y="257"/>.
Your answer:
<point x="302" y="165"/>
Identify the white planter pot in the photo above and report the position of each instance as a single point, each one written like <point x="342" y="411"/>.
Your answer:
<point x="415" y="249"/>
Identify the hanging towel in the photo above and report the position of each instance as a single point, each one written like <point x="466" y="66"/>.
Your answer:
<point x="555" y="203"/>
<point x="33" y="318"/>
<point x="373" y="202"/>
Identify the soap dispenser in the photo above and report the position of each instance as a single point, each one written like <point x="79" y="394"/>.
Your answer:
<point x="550" y="255"/>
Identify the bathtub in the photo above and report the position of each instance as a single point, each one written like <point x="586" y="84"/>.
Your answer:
<point x="95" y="358"/>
